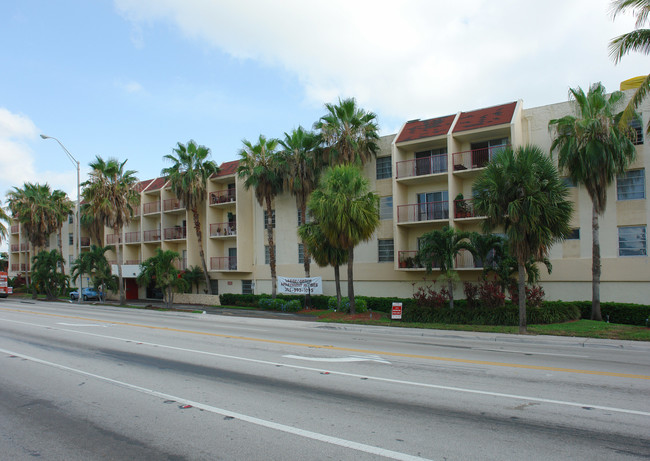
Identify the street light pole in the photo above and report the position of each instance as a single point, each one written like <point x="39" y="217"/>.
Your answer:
<point x="76" y="163"/>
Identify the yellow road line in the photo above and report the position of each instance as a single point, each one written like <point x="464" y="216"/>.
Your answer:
<point x="346" y="349"/>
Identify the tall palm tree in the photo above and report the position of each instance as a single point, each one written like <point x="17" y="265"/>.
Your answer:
<point x="637" y="40"/>
<point x="323" y="252"/>
<point x="94" y="263"/>
<point x="45" y="275"/>
<point x="439" y="248"/>
<point x="521" y="191"/>
<point x="349" y="133"/>
<point x="260" y="167"/>
<point x="33" y="207"/>
<point x="93" y="224"/>
<point x="63" y="207"/>
<point x="593" y="151"/>
<point x="347" y="212"/>
<point x="303" y="166"/>
<point x="110" y="195"/>
<point x="188" y="177"/>
<point x="4" y="218"/>
<point x="160" y="270"/>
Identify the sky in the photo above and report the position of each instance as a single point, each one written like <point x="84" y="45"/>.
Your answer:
<point x="131" y="78"/>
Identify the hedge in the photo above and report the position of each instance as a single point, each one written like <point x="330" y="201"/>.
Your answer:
<point x="627" y="313"/>
<point x="232" y="299"/>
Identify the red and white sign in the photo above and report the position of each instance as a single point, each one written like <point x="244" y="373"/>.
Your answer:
<point x="396" y="312"/>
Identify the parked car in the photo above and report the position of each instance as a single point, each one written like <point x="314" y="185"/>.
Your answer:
<point x="86" y="294"/>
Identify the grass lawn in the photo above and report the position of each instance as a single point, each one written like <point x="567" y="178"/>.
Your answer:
<point x="579" y="328"/>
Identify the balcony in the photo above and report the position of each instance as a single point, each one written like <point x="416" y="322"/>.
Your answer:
<point x="223" y="263"/>
<point x="173" y="204"/>
<point x="223" y="229"/>
<point x="24" y="247"/>
<point x="434" y="164"/>
<point x="409" y="260"/>
<point x="15" y="228"/>
<point x="132" y="237"/>
<point x="111" y="239"/>
<point x="175" y="233"/>
<point x="222" y="196"/>
<point x="181" y="264"/>
<point x="465" y="209"/>
<point x="136" y="210"/>
<point x="15" y="267"/>
<point x="85" y="242"/>
<point x="151" y="208"/>
<point x="15" y="247"/>
<point x="132" y="262"/>
<point x="24" y="267"/>
<point x="428" y="211"/>
<point x="477" y="158"/>
<point x="151" y="235"/>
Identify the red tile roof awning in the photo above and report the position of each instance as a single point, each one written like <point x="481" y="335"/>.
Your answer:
<point x="228" y="168"/>
<point x="418" y="129"/>
<point x="483" y="118"/>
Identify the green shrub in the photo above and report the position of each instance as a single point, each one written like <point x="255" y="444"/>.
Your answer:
<point x="360" y="304"/>
<point x="626" y="313"/>
<point x="271" y="304"/>
<point x="292" y="306"/>
<point x="233" y="299"/>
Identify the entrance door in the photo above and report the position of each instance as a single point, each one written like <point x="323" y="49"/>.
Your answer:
<point x="232" y="259"/>
<point x="131" y="289"/>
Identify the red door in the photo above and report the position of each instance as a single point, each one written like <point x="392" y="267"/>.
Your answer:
<point x="131" y="289"/>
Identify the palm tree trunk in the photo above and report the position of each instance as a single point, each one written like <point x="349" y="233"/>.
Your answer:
<point x="269" y="228"/>
<point x="199" y="240"/>
<point x="595" y="268"/>
<point x="337" y="280"/>
<point x="450" y="287"/>
<point x="61" y="251"/>
<point x="522" y="297"/>
<point x="305" y="255"/>
<point x="27" y="270"/>
<point x="353" y="309"/>
<point x="118" y="253"/>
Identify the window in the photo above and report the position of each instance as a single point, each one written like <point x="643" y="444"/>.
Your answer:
<point x="70" y="259"/>
<point x="632" y="241"/>
<point x="384" y="168"/>
<point x="574" y="235"/>
<point x="568" y="182"/>
<point x="267" y="255"/>
<point x="385" y="248"/>
<point x="70" y="239"/>
<point x="386" y="207"/>
<point x="431" y="161"/>
<point x="266" y="219"/>
<point x="70" y="219"/>
<point x="433" y="205"/>
<point x="301" y="254"/>
<point x="214" y="286"/>
<point x="247" y="287"/>
<point x="631" y="186"/>
<point x="637" y="126"/>
<point x="300" y="223"/>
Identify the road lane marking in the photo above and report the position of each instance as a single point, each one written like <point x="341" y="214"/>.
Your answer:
<point x="81" y="324"/>
<point x="354" y="358"/>
<point x="231" y="414"/>
<point x="354" y="375"/>
<point x="348" y="349"/>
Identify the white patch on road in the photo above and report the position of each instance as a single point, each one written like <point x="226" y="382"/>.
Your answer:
<point x="530" y="353"/>
<point x="352" y="358"/>
<point x="82" y="324"/>
<point x="230" y="414"/>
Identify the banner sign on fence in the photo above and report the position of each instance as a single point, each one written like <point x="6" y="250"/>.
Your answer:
<point x="300" y="285"/>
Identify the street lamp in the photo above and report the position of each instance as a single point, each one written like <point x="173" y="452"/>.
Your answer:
<point x="76" y="163"/>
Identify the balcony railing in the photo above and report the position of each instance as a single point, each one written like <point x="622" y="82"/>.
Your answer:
<point x="222" y="196"/>
<point x="15" y="228"/>
<point x="24" y="267"/>
<point x="132" y="237"/>
<point x="175" y="233"/>
<point x="14" y="247"/>
<point x="465" y="260"/>
<point x="223" y="229"/>
<point x="111" y="239"/>
<point x="428" y="211"/>
<point x="173" y="204"/>
<point x="409" y="260"/>
<point x="24" y="247"/>
<point x="15" y="267"/>
<point x="151" y="235"/>
<point x="151" y="207"/>
<point x="136" y="210"/>
<point x="181" y="264"/>
<point x="85" y="241"/>
<point x="422" y="166"/>
<point x="464" y="209"/>
<point x="132" y="262"/>
<point x="223" y="263"/>
<point x="477" y="158"/>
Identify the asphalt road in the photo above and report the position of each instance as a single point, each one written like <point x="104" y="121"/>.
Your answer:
<point x="95" y="382"/>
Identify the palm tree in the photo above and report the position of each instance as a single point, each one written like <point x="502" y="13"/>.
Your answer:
<point x="111" y="196"/>
<point x="93" y="224"/>
<point x="193" y="276"/>
<point x="63" y="207"/>
<point x="160" y="270"/>
<point x="94" y="263"/>
<point x="349" y="133"/>
<point x="637" y="40"/>
<point x="488" y="249"/>
<point x="45" y="275"/>
<point x="260" y="167"/>
<point x="593" y="150"/>
<point x="188" y="178"/>
<point x="303" y="165"/>
<point x="439" y="248"/>
<point x="348" y="213"/>
<point x="521" y="191"/>
<point x="324" y="253"/>
<point x="4" y="218"/>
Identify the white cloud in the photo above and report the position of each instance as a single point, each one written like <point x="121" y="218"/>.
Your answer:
<point x="412" y="58"/>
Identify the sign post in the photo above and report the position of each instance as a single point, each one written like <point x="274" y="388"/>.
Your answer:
<point x="396" y="312"/>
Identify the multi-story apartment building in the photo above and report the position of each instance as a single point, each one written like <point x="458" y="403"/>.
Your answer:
<point x="424" y="176"/>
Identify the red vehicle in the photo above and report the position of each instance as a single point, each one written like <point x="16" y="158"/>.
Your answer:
<point x="4" y="288"/>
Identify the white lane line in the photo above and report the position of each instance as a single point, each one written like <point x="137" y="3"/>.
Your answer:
<point x="82" y="325"/>
<point x="530" y="353"/>
<point x="354" y="375"/>
<point x="352" y="358"/>
<point x="220" y="411"/>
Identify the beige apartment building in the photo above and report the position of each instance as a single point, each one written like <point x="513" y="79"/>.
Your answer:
<point x="418" y="174"/>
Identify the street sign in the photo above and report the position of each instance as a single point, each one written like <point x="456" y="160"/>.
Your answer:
<point x="396" y="312"/>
